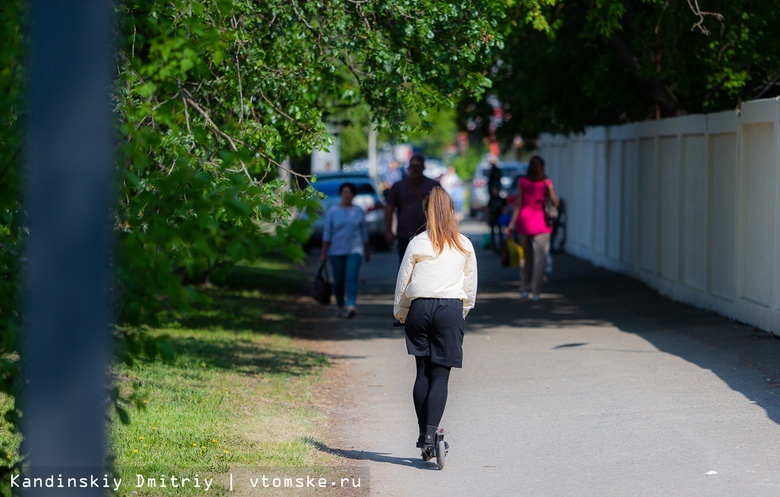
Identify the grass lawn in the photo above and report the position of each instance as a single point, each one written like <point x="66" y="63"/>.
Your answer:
<point x="238" y="399"/>
<point x="238" y="394"/>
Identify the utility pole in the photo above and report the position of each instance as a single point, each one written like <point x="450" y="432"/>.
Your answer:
<point x="68" y="198"/>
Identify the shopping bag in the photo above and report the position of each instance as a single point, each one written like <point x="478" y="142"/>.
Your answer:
<point x="514" y="253"/>
<point x="322" y="287"/>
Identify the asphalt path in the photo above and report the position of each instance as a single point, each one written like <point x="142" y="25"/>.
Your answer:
<point x="601" y="388"/>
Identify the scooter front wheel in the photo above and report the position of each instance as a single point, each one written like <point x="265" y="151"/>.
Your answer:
<point x="441" y="454"/>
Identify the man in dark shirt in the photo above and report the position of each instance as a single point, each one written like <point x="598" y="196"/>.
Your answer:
<point x="495" y="205"/>
<point x="494" y="179"/>
<point x="406" y="197"/>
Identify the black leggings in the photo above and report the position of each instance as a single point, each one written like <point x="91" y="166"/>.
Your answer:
<point x="430" y="392"/>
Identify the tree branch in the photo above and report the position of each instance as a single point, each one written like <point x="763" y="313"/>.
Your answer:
<point x="698" y="12"/>
<point x="772" y="82"/>
<point x="212" y="124"/>
<point x="240" y="91"/>
<point x="658" y="24"/>
<point x="186" y="112"/>
<point x="295" y="8"/>
<point x="655" y="89"/>
<point x="276" y="109"/>
<point x="233" y="142"/>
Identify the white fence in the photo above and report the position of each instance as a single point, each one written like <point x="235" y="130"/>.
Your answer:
<point x="687" y="205"/>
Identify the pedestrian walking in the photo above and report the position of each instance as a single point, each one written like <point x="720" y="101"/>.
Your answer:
<point x="528" y="220"/>
<point x="435" y="289"/>
<point x="393" y="175"/>
<point x="405" y="199"/>
<point x="453" y="185"/>
<point x="345" y="242"/>
<point x="495" y="205"/>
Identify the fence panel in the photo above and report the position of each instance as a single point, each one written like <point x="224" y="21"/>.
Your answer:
<point x="688" y="205"/>
<point x="614" y="180"/>
<point x="723" y="216"/>
<point x="668" y="200"/>
<point x="694" y="212"/>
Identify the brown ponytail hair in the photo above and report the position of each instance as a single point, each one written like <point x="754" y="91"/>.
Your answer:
<point x="535" y="169"/>
<point x="442" y="227"/>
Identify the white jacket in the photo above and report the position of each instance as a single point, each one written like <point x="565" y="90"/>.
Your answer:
<point x="425" y="274"/>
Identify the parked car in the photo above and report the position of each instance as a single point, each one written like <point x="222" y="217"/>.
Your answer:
<point x="434" y="169"/>
<point x="368" y="198"/>
<point x="479" y="195"/>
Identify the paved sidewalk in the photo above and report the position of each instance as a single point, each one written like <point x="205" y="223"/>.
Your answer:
<point x="602" y="388"/>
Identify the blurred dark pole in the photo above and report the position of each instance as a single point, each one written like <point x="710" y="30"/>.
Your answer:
<point x="68" y="199"/>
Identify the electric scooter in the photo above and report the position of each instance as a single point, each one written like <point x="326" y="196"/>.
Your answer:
<point x="438" y="450"/>
<point x="440" y="447"/>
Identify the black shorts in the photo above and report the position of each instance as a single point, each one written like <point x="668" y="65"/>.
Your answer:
<point x="434" y="328"/>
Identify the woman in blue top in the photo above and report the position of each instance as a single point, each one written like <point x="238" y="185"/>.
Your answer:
<point x="345" y="242"/>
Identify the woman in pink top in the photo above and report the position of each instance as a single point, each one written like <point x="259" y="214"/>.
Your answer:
<point x="528" y="221"/>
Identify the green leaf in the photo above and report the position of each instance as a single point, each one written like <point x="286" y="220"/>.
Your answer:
<point x="146" y="90"/>
<point x="186" y="65"/>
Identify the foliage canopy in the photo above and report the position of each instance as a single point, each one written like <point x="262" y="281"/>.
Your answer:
<point x="214" y="95"/>
<point x="601" y="62"/>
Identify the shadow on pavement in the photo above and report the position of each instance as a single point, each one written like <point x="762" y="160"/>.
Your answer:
<point x="745" y="358"/>
<point x="579" y="294"/>
<point x="360" y="455"/>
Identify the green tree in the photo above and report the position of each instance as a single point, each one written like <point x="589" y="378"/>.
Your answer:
<point x="434" y="131"/>
<point x="211" y="97"/>
<point x="354" y="136"/>
<point x="466" y="163"/>
<point x="11" y="215"/>
<point x="595" y="62"/>
<point x="214" y="95"/>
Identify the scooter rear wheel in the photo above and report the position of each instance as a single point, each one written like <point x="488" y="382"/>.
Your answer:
<point x="441" y="453"/>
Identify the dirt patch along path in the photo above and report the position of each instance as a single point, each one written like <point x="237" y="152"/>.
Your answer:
<point x="601" y="388"/>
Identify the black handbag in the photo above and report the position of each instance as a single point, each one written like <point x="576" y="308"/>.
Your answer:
<point x="322" y="287"/>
